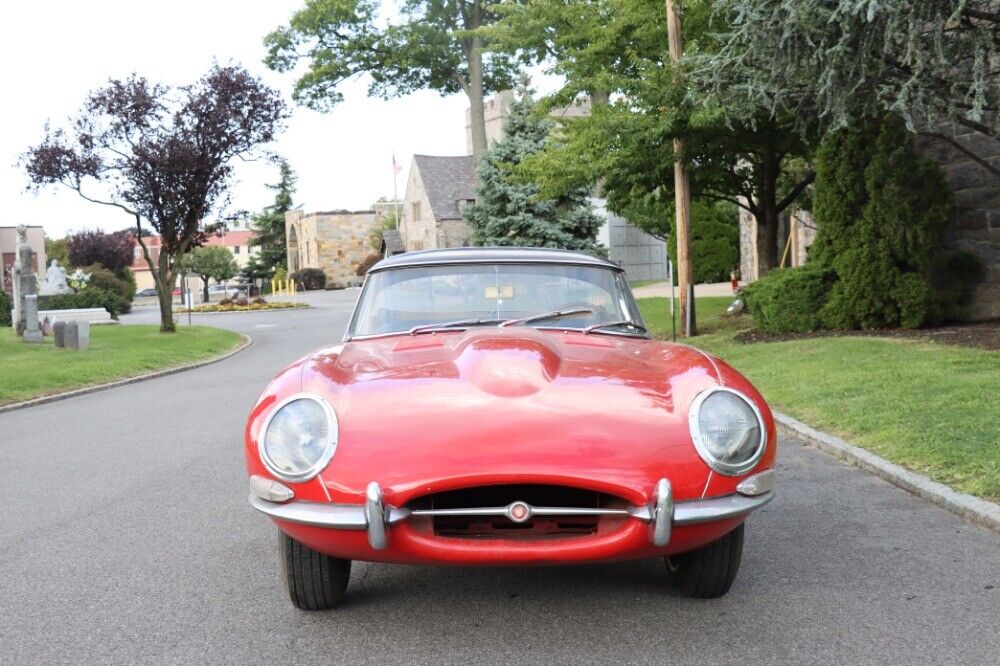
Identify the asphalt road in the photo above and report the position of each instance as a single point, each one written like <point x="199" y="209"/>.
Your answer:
<point x="126" y="538"/>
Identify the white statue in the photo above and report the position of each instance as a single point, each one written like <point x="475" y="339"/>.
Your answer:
<point x="55" y="279"/>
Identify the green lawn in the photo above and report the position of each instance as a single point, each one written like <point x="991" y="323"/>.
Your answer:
<point x="642" y="283"/>
<point x="929" y="407"/>
<point x="30" y="371"/>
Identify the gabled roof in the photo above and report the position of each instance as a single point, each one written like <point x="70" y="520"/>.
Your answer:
<point x="392" y="242"/>
<point x="447" y="180"/>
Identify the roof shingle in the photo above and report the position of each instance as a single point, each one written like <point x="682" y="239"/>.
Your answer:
<point x="447" y="181"/>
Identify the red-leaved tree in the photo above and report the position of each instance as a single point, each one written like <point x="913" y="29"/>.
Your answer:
<point x="163" y="155"/>
<point x="113" y="251"/>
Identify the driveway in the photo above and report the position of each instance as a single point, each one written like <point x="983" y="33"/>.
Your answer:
<point x="126" y="538"/>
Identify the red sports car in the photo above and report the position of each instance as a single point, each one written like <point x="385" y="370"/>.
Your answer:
<point x="506" y="406"/>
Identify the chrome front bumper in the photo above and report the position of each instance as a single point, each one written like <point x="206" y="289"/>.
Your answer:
<point x="661" y="513"/>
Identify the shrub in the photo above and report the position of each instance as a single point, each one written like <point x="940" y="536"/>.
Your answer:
<point x="309" y="278"/>
<point x="126" y="275"/>
<point x="715" y="241"/>
<point x="365" y="265"/>
<point x="259" y="301"/>
<point x="91" y="297"/>
<point x="6" y="305"/>
<point x="789" y="299"/>
<point x="102" y="278"/>
<point x="880" y="210"/>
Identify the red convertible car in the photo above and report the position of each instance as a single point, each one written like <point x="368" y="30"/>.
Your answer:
<point x="506" y="406"/>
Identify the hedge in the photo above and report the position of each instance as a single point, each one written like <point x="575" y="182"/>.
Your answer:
<point x="91" y="297"/>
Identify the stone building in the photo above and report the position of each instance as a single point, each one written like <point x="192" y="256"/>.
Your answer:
<point x="975" y="224"/>
<point x="974" y="227"/>
<point x="437" y="189"/>
<point x="335" y="242"/>
<point x="8" y="254"/>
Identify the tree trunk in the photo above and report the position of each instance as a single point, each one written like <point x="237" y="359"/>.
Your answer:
<point x="163" y="290"/>
<point x="477" y="113"/>
<point x="204" y="289"/>
<point x="767" y="217"/>
<point x="164" y="279"/>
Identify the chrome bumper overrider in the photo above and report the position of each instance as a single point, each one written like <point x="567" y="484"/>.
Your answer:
<point x="374" y="516"/>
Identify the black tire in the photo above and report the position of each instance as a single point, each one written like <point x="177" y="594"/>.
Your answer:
<point x="314" y="581"/>
<point x="709" y="572"/>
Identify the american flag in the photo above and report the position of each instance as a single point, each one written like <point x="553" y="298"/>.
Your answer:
<point x="396" y="168"/>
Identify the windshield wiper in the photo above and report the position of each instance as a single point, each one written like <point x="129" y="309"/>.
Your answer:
<point x="552" y="314"/>
<point x="621" y="322"/>
<point x="427" y="328"/>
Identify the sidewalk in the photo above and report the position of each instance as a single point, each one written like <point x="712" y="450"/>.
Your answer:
<point x="662" y="289"/>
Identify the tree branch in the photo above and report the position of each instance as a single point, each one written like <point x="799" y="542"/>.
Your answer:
<point x="796" y="191"/>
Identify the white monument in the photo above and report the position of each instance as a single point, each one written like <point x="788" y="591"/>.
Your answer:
<point x="55" y="280"/>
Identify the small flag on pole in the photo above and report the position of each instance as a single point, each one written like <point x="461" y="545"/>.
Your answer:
<point x="396" y="168"/>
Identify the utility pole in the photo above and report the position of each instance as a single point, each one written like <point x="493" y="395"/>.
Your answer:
<point x="682" y="192"/>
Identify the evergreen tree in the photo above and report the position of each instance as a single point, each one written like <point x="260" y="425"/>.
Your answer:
<point x="269" y="225"/>
<point x="509" y="212"/>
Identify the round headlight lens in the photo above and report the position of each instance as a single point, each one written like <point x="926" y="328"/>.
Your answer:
<point x="728" y="430"/>
<point x="299" y="438"/>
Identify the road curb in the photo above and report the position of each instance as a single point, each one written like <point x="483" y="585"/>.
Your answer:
<point x="971" y="508"/>
<point x="247" y="341"/>
<point x="183" y="313"/>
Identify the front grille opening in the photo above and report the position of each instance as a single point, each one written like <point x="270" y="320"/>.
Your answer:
<point x="500" y="527"/>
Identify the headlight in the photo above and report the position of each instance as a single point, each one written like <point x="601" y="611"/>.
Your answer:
<point x="299" y="437"/>
<point x="728" y="430"/>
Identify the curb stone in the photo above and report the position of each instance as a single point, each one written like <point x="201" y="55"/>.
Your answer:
<point x="183" y="313"/>
<point x="246" y="342"/>
<point x="967" y="506"/>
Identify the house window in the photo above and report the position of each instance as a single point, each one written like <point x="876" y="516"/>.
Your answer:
<point x="415" y="210"/>
<point x="236" y="249"/>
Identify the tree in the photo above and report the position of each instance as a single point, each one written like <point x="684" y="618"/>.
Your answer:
<point x="627" y="145"/>
<point x="113" y="251"/>
<point x="428" y="45"/>
<point x="58" y="249"/>
<point x="161" y="155"/>
<point x="507" y="212"/>
<point x="269" y="225"/>
<point x="836" y="61"/>
<point x="210" y="262"/>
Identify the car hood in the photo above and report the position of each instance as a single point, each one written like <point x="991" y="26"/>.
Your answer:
<point x="520" y="404"/>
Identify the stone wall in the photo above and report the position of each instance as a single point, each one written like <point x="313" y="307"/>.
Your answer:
<point x="335" y="242"/>
<point x="975" y="225"/>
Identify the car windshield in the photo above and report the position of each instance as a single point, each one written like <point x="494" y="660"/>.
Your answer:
<point x="457" y="296"/>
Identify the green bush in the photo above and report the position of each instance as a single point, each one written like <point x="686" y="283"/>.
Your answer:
<point x="789" y="299"/>
<point x="715" y="241"/>
<point x="102" y="278"/>
<point x="880" y="210"/>
<point x="6" y="305"/>
<point x="128" y="277"/>
<point x="91" y="297"/>
<point x="309" y="278"/>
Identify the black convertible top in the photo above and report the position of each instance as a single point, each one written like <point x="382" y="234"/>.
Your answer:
<point x="491" y="255"/>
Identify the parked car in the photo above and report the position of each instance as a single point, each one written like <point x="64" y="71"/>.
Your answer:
<point x="146" y="292"/>
<point x="506" y="406"/>
<point x="224" y="290"/>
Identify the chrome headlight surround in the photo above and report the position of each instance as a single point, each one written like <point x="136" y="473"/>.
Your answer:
<point x="720" y="466"/>
<point x="330" y="446"/>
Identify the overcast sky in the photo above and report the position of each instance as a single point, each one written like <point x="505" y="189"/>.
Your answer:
<point x="55" y="51"/>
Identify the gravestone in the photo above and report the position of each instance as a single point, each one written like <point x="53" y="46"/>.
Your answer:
<point x="59" y="333"/>
<point x="24" y="279"/>
<point x="77" y="335"/>
<point x="32" y="331"/>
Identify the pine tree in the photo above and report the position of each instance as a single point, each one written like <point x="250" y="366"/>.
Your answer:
<point x="269" y="225"/>
<point x="507" y="211"/>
